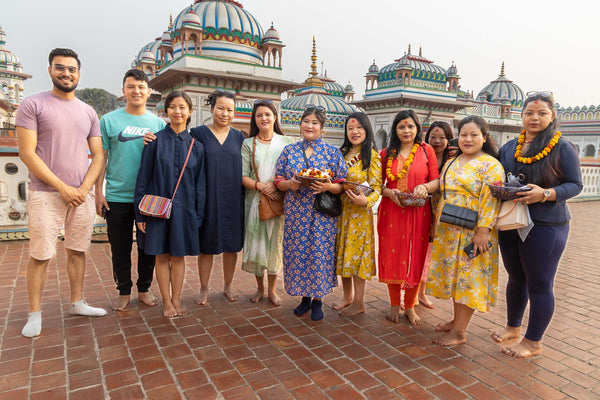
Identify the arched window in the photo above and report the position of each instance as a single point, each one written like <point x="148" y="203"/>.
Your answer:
<point x="590" y="150"/>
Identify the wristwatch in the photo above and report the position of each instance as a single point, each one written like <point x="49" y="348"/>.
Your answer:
<point x="546" y="195"/>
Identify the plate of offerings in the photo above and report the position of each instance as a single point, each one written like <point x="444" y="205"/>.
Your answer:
<point x="357" y="186"/>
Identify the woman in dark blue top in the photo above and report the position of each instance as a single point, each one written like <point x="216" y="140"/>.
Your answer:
<point x="550" y="165"/>
<point x="172" y="239"/>
<point x="222" y="230"/>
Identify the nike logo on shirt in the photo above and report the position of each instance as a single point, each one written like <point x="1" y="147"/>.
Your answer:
<point x="128" y="138"/>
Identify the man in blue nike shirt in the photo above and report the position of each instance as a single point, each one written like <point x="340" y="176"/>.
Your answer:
<point x="123" y="141"/>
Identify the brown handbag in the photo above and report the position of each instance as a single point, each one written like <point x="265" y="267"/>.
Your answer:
<point x="267" y="208"/>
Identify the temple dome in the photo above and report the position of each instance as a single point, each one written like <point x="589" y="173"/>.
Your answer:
<point x="271" y="34"/>
<point x="8" y="60"/>
<point x="501" y="90"/>
<point x="318" y="97"/>
<point x="421" y="69"/>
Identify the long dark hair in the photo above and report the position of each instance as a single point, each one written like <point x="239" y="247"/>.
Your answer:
<point x="447" y="133"/>
<point x="254" y="127"/>
<point x="547" y="171"/>
<point x="490" y="147"/>
<point x="178" y="93"/>
<point x="394" y="147"/>
<point x="367" y="144"/>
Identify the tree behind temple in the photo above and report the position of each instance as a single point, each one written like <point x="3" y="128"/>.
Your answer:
<point x="100" y="100"/>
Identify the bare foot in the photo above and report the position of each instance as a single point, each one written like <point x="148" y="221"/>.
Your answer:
<point x="354" y="309"/>
<point x="394" y="314"/>
<point x="412" y="316"/>
<point x="424" y="300"/>
<point x="274" y="299"/>
<point x="508" y="332"/>
<point x="169" y="310"/>
<point x="525" y="348"/>
<point x="451" y="338"/>
<point x="180" y="308"/>
<point x="121" y="303"/>
<point x="202" y="298"/>
<point x="343" y="303"/>
<point x="444" y="326"/>
<point x="257" y="296"/>
<point x="229" y="295"/>
<point x="148" y="299"/>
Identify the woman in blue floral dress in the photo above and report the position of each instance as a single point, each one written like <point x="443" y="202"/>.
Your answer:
<point x="309" y="235"/>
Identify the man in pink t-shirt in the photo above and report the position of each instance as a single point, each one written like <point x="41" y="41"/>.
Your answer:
<point x="54" y="130"/>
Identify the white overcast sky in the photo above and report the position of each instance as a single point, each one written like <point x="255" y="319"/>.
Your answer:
<point x="546" y="45"/>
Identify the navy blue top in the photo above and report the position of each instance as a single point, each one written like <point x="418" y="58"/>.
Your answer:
<point x="222" y="229"/>
<point x="162" y="161"/>
<point x="550" y="212"/>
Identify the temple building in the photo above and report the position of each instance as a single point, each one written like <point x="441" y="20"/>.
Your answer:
<point x="210" y="45"/>
<point x="581" y="125"/>
<point x="11" y="83"/>
<point x="434" y="93"/>
<point x="319" y="91"/>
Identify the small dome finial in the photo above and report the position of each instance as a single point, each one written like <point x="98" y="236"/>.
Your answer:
<point x="170" y="21"/>
<point x="420" y="51"/>
<point x="313" y="58"/>
<point x="502" y="69"/>
<point x="409" y="48"/>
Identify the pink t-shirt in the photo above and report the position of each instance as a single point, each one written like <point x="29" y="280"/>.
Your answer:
<point x="63" y="127"/>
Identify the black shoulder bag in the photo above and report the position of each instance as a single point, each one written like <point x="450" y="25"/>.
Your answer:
<point x="325" y="202"/>
<point x="455" y="215"/>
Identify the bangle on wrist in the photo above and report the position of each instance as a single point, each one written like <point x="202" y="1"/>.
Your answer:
<point x="256" y="185"/>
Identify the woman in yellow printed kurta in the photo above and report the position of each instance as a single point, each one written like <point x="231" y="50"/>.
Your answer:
<point x="471" y="283"/>
<point x="356" y="237"/>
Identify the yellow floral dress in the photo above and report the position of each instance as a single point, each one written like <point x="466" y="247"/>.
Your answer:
<point x="473" y="282"/>
<point x="356" y="233"/>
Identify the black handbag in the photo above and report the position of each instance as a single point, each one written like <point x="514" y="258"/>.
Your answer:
<point x="326" y="202"/>
<point x="455" y="215"/>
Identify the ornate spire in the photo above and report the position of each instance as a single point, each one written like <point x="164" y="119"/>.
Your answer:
<point x="502" y="69"/>
<point x="312" y="79"/>
<point x="420" y="51"/>
<point x="170" y="21"/>
<point x="409" y="48"/>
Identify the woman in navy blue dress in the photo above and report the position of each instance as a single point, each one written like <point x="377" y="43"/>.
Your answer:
<point x="222" y="230"/>
<point x="172" y="239"/>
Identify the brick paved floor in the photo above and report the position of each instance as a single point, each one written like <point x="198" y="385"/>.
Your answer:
<point x="246" y="351"/>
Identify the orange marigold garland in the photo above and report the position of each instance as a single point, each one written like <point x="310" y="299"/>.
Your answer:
<point x="538" y="156"/>
<point x="407" y="164"/>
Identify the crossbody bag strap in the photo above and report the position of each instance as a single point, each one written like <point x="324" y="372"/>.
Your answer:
<point x="253" y="163"/>
<point x="445" y="172"/>
<point x="183" y="168"/>
<point x="304" y="155"/>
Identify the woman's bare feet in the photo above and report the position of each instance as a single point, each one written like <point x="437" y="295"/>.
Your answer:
<point x="202" y="298"/>
<point x="229" y="295"/>
<point x="257" y="296"/>
<point x="121" y="303"/>
<point x="412" y="316"/>
<point x="424" y="300"/>
<point x="353" y="309"/>
<point x="525" y="348"/>
<point x="169" y="310"/>
<point x="508" y="332"/>
<point x="444" y="326"/>
<point x="343" y="303"/>
<point x="148" y="299"/>
<point x="451" y="338"/>
<point x="394" y="314"/>
<point x="180" y="308"/>
<point x="274" y="298"/>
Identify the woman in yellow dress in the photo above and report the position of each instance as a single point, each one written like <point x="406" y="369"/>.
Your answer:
<point x="472" y="283"/>
<point x="356" y="234"/>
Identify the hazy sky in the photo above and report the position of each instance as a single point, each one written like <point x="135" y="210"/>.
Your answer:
<point x="546" y="45"/>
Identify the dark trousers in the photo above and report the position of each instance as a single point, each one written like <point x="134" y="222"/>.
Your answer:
<point x="531" y="267"/>
<point x="119" y="223"/>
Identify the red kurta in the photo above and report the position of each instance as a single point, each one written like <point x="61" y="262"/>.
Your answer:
<point x="404" y="231"/>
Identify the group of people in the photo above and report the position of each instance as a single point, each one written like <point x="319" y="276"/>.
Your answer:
<point x="219" y="185"/>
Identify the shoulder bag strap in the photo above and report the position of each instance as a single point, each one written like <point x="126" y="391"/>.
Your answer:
<point x="253" y="163"/>
<point x="445" y="172"/>
<point x="183" y="168"/>
<point x="304" y="155"/>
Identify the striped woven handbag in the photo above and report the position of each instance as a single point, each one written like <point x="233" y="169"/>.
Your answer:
<point x="155" y="206"/>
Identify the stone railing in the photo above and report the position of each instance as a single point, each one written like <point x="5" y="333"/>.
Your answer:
<point x="590" y="173"/>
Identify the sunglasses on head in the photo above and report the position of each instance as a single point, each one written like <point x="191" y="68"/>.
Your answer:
<point x="311" y="107"/>
<point x="543" y="94"/>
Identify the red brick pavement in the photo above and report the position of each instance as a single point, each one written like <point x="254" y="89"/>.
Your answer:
<point x="246" y="351"/>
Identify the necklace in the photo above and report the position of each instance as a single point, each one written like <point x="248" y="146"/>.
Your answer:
<point x="264" y="140"/>
<point x="407" y="164"/>
<point x="350" y="163"/>
<point x="538" y="156"/>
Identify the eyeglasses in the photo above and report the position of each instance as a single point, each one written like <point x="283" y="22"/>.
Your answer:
<point x="540" y="94"/>
<point x="62" y="68"/>
<point x="262" y="101"/>
<point x="311" y="107"/>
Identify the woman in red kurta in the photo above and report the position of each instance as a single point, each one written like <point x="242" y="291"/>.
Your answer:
<point x="409" y="166"/>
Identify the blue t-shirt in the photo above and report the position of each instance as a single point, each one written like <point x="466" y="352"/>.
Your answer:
<point x="122" y="137"/>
